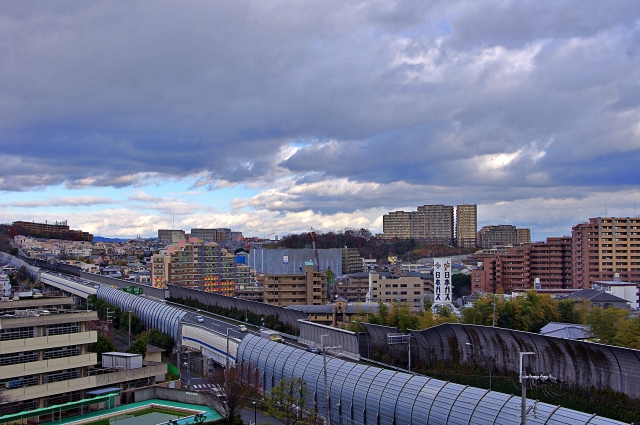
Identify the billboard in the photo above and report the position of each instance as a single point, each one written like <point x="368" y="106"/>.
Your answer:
<point x="442" y="281"/>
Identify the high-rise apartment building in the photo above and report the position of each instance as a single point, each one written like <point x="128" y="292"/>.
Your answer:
<point x="605" y="246"/>
<point x="204" y="266"/>
<point x="466" y="225"/>
<point x="523" y="236"/>
<point x="551" y="262"/>
<point x="500" y="235"/>
<point x="396" y="224"/>
<point x="430" y="223"/>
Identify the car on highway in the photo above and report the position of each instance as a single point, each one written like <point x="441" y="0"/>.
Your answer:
<point x="242" y="328"/>
<point x="200" y="319"/>
<point x="313" y="349"/>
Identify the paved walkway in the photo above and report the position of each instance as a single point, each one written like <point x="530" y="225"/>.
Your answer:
<point x="247" y="416"/>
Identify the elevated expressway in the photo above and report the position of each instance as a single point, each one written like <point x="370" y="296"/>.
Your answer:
<point x="358" y="394"/>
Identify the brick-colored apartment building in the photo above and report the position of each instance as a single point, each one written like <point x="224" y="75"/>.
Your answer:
<point x="549" y="261"/>
<point x="604" y="246"/>
<point x="52" y="229"/>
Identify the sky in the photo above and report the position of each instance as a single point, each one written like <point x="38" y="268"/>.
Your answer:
<point x="272" y="117"/>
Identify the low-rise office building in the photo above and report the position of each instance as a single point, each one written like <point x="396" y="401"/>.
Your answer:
<point x="285" y="290"/>
<point x="409" y="287"/>
<point x="45" y="358"/>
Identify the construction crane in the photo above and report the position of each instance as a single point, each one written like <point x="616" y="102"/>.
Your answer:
<point x="316" y="265"/>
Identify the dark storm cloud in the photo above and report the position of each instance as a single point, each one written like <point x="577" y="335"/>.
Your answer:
<point x="519" y="98"/>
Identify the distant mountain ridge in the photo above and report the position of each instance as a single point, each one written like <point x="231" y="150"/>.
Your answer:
<point x="101" y="239"/>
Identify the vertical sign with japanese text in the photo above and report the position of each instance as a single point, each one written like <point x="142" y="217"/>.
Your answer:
<point x="442" y="281"/>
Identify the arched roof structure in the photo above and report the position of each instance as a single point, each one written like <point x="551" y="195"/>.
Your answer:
<point x="369" y="395"/>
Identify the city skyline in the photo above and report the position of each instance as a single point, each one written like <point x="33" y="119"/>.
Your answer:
<point x="125" y="118"/>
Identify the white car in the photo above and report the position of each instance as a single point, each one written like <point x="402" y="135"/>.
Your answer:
<point x="200" y="319"/>
<point x="242" y="328"/>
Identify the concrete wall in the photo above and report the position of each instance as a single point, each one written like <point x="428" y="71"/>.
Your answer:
<point x="310" y="334"/>
<point x="580" y="363"/>
<point x="149" y="291"/>
<point x="170" y="394"/>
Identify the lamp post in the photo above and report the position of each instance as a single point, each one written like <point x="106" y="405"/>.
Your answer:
<point x="326" y="387"/>
<point x="368" y="344"/>
<point x="188" y="364"/>
<point x="227" y="363"/>
<point x="255" y="413"/>
<point x="494" y="310"/>
<point x="523" y="382"/>
<point x="486" y="361"/>
<point x="129" y="314"/>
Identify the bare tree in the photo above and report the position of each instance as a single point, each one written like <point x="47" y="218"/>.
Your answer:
<point x="5" y="402"/>
<point x="233" y="389"/>
<point x="287" y="402"/>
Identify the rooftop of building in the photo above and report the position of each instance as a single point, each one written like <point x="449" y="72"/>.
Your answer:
<point x="566" y="330"/>
<point x="368" y="308"/>
<point x="613" y="283"/>
<point x="596" y="295"/>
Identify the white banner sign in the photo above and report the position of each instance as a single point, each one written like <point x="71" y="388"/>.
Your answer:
<point x="442" y="281"/>
<point x="285" y="259"/>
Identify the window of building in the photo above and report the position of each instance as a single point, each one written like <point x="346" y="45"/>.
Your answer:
<point x="17" y="358"/>
<point x="18" y="333"/>
<point x="19" y="382"/>
<point x="63" y="328"/>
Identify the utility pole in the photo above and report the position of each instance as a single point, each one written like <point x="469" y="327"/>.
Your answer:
<point x="109" y="315"/>
<point x="228" y="348"/>
<point x="494" y="310"/>
<point x="326" y="385"/>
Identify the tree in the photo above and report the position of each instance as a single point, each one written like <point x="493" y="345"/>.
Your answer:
<point x="233" y="389"/>
<point x="22" y="274"/>
<point x="6" y="403"/>
<point x="287" y="402"/>
<point x="461" y="285"/>
<point x="603" y="323"/>
<point x="102" y="345"/>
<point x="139" y="346"/>
<point x="628" y="333"/>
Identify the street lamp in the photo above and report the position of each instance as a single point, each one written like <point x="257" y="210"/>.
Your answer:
<point x="255" y="413"/>
<point x="188" y="365"/>
<point x="523" y="382"/>
<point x="228" y="347"/>
<point x="486" y="361"/>
<point x="368" y="342"/>
<point x="326" y="387"/>
<point x="129" y="314"/>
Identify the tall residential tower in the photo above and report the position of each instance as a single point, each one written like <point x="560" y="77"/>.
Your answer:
<point x="466" y="225"/>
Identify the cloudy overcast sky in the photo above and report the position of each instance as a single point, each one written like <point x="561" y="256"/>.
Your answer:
<point x="123" y="117"/>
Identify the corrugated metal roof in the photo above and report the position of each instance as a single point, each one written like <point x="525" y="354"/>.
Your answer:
<point x="365" y="394"/>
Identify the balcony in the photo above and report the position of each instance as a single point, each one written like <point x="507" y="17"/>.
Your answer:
<point x="44" y="366"/>
<point x="43" y="342"/>
<point x="87" y="382"/>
